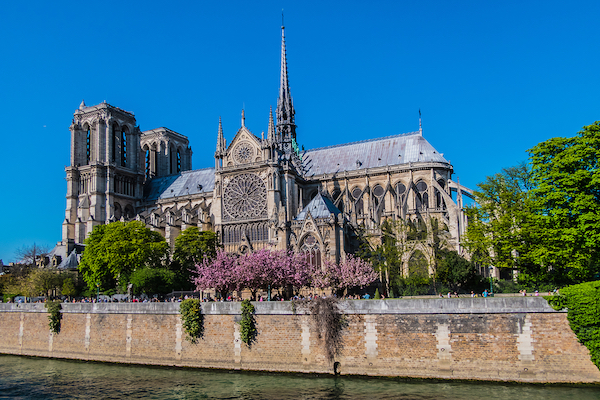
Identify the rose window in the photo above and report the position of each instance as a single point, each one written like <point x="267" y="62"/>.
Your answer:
<point x="242" y="153"/>
<point x="245" y="197"/>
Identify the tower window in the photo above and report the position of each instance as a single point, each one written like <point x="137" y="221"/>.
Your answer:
<point x="178" y="161"/>
<point x="113" y="149"/>
<point x="123" y="147"/>
<point x="88" y="145"/>
<point x="147" y="163"/>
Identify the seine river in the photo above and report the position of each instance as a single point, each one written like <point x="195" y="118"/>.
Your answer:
<point x="39" y="378"/>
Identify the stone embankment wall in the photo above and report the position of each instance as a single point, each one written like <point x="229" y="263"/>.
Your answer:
<point x="513" y="339"/>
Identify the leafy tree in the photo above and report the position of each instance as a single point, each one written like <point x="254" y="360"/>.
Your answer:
<point x="192" y="246"/>
<point x="114" y="251"/>
<point x="566" y="198"/>
<point x="68" y="288"/>
<point x="456" y="272"/>
<point x="501" y="227"/>
<point x="152" y="280"/>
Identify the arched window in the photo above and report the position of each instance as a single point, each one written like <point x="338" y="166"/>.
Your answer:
<point x="178" y="161"/>
<point x="378" y="201"/>
<point x="128" y="212"/>
<point x="358" y="202"/>
<point x="118" y="211"/>
<point x="147" y="161"/>
<point x="421" y="198"/>
<point x="124" y="147"/>
<point x="338" y="200"/>
<point x="400" y="193"/>
<point x="171" y="160"/>
<point x="113" y="147"/>
<point x="418" y="265"/>
<point x="310" y="247"/>
<point x="88" y="145"/>
<point x="439" y="200"/>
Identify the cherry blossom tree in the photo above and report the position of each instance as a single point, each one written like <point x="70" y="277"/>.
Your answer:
<point x="220" y="273"/>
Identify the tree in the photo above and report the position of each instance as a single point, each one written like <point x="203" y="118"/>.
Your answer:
<point x="353" y="272"/>
<point x="221" y="273"/>
<point x="191" y="247"/>
<point x="456" y="272"/>
<point x="28" y="255"/>
<point x="566" y="199"/>
<point x="501" y="226"/>
<point x="152" y="280"/>
<point x="114" y="251"/>
<point x="68" y="288"/>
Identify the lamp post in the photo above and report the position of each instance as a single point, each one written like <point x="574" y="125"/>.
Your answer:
<point x="97" y="292"/>
<point x="491" y="285"/>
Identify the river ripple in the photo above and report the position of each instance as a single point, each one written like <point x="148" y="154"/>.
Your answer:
<point x="39" y="378"/>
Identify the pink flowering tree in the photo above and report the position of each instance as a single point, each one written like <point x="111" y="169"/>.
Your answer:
<point x="220" y="273"/>
<point x="351" y="273"/>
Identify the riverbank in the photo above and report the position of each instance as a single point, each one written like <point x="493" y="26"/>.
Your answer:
<point x="518" y="339"/>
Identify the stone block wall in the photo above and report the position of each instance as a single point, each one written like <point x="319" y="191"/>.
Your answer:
<point x="509" y="339"/>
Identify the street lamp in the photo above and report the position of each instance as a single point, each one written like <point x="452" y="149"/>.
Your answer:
<point x="491" y="285"/>
<point x="97" y="292"/>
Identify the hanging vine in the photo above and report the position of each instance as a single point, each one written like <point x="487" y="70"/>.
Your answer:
<point x="247" y="323"/>
<point x="192" y="319"/>
<point x="328" y="321"/>
<point x="54" y="315"/>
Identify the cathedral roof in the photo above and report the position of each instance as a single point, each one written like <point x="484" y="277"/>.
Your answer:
<point x="392" y="150"/>
<point x="186" y="183"/>
<point x="319" y="207"/>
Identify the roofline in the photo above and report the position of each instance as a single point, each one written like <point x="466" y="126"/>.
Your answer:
<point x="364" y="141"/>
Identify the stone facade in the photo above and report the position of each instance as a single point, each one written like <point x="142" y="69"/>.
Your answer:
<point x="264" y="192"/>
<point x="498" y="339"/>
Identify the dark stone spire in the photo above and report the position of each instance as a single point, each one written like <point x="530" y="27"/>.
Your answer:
<point x="286" y="127"/>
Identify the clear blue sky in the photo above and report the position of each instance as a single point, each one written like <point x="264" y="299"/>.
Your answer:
<point x="491" y="80"/>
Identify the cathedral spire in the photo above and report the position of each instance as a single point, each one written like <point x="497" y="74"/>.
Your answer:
<point x="285" y="106"/>
<point x="243" y="118"/>
<point x="220" y="138"/>
<point x="271" y="129"/>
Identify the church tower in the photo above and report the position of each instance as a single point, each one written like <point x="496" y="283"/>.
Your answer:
<point x="104" y="180"/>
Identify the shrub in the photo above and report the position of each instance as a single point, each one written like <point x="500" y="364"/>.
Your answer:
<point x="583" y="304"/>
<point x="248" y="330"/>
<point x="54" y="316"/>
<point x="192" y="319"/>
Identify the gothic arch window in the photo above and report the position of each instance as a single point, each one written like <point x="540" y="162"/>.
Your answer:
<point x="418" y="265"/>
<point x="147" y="158"/>
<point x="128" y="214"/>
<point x="310" y="247"/>
<point x="88" y="145"/>
<point x="439" y="200"/>
<point x="118" y="211"/>
<point x="338" y="200"/>
<point x="358" y="202"/>
<point x="400" y="193"/>
<point x="124" y="146"/>
<point x="178" y="160"/>
<point x="378" y="201"/>
<point x="421" y="197"/>
<point x="113" y="146"/>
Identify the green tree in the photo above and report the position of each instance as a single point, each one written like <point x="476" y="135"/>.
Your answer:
<point x="501" y="229"/>
<point x="114" y="251"/>
<point x="566" y="199"/>
<point x="152" y="280"/>
<point x="68" y="288"/>
<point x="191" y="247"/>
<point x="456" y="272"/>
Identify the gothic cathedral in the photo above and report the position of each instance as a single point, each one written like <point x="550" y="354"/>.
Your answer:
<point x="263" y="192"/>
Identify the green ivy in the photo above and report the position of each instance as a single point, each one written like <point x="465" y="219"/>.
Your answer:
<point x="54" y="316"/>
<point x="192" y="319"/>
<point x="583" y="305"/>
<point x="248" y="330"/>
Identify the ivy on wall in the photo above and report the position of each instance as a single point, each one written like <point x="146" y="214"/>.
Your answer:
<point x="192" y="319"/>
<point x="328" y="321"/>
<point x="248" y="330"/>
<point x="583" y="305"/>
<point x="54" y="315"/>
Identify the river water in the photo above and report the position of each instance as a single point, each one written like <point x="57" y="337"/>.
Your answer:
<point x="40" y="378"/>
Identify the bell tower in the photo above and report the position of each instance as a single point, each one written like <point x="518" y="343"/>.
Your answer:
<point x="104" y="178"/>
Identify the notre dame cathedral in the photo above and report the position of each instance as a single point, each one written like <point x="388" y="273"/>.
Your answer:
<point x="263" y="192"/>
